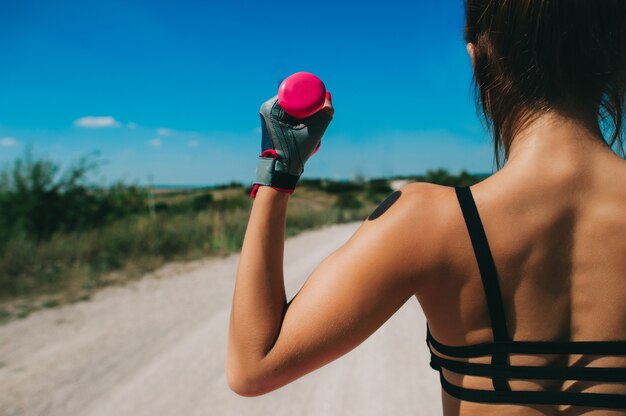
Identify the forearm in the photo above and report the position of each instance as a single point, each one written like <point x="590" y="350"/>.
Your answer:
<point x="259" y="299"/>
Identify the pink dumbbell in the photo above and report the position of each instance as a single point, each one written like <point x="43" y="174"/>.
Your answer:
<point x="302" y="94"/>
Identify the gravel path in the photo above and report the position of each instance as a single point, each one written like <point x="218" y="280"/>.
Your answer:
<point x="157" y="347"/>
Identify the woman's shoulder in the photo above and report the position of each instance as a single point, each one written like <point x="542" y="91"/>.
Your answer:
<point x="431" y="203"/>
<point x="426" y="217"/>
<point x="424" y="203"/>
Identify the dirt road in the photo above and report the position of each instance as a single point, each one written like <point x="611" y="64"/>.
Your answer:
<point x="157" y="347"/>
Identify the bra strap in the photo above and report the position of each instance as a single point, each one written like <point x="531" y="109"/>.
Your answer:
<point x="489" y="278"/>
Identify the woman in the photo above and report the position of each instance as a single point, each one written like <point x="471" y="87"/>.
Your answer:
<point x="532" y="307"/>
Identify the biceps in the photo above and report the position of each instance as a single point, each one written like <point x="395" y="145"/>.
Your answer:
<point x="346" y="299"/>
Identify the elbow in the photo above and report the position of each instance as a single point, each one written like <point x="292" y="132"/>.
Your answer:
<point x="238" y="384"/>
<point x="243" y="382"/>
<point x="244" y="386"/>
<point x="247" y="387"/>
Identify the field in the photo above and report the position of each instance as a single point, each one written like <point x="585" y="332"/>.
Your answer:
<point x="62" y="237"/>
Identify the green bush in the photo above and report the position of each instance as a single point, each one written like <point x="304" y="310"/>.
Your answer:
<point x="59" y="233"/>
<point x="348" y="200"/>
<point x="340" y="187"/>
<point x="38" y="200"/>
<point x="377" y="190"/>
<point x="313" y="183"/>
<point x="232" y="184"/>
<point x="201" y="202"/>
<point x="443" y="177"/>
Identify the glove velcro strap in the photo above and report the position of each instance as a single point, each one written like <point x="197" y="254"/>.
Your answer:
<point x="266" y="174"/>
<point x="264" y="170"/>
<point x="284" y="180"/>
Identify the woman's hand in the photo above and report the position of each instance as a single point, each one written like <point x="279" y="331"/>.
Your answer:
<point x="287" y="143"/>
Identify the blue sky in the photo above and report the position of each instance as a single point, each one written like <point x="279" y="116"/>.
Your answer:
<point x="170" y="90"/>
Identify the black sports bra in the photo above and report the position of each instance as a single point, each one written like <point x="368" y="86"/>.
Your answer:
<point x="447" y="357"/>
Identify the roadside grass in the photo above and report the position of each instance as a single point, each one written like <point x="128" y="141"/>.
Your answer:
<point x="69" y="267"/>
<point x="62" y="238"/>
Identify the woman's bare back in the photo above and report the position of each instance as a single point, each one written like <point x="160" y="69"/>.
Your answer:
<point x="556" y="228"/>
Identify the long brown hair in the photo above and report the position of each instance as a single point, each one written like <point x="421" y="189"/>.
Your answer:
<point x="532" y="56"/>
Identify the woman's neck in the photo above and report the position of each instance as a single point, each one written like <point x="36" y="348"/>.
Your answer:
<point x="553" y="139"/>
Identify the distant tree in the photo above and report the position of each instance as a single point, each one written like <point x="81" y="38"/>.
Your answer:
<point x="377" y="190"/>
<point x="348" y="200"/>
<point x="465" y="179"/>
<point x="339" y="187"/>
<point x="443" y="177"/>
<point x="231" y="184"/>
<point x="37" y="199"/>
<point x="313" y="183"/>
<point x="439" y="176"/>
<point x="201" y="202"/>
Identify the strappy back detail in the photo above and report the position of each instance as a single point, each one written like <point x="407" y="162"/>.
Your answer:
<point x="489" y="276"/>
<point x="499" y="370"/>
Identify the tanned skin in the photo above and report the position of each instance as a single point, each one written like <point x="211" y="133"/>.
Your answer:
<point x="554" y="218"/>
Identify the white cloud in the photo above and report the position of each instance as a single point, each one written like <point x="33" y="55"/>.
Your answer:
<point x="96" y="122"/>
<point x="8" y="142"/>
<point x="193" y="143"/>
<point x="156" y="143"/>
<point x="164" y="132"/>
<point x="132" y="125"/>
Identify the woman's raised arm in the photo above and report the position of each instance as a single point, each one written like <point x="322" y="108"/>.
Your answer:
<point x="347" y="297"/>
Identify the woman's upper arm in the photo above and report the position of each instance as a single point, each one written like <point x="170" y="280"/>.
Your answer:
<point x="355" y="289"/>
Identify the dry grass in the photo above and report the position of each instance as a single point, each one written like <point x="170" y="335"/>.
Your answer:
<point x="69" y="267"/>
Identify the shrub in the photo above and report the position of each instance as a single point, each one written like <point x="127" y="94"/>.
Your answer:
<point x="443" y="177"/>
<point x="348" y="200"/>
<point x="37" y="199"/>
<point x="340" y="187"/>
<point x="377" y="190"/>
